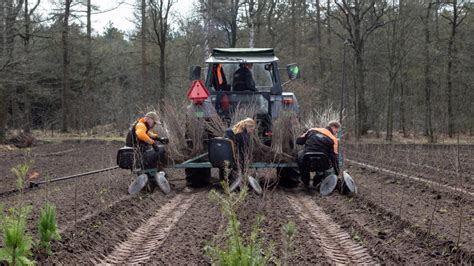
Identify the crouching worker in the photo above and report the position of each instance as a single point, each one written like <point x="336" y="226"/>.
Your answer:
<point x="240" y="135"/>
<point x="145" y="142"/>
<point x="321" y="144"/>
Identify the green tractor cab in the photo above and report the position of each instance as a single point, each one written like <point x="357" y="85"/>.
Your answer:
<point x="268" y="98"/>
<point x="219" y="94"/>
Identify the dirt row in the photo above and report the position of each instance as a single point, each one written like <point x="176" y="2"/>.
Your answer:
<point x="440" y="165"/>
<point x="442" y="214"/>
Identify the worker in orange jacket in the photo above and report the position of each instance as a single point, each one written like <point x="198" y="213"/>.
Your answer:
<point x="145" y="142"/>
<point x="319" y="140"/>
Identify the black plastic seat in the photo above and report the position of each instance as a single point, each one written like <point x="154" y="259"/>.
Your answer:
<point x="316" y="161"/>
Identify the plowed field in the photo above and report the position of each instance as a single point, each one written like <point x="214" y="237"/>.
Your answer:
<point x="415" y="205"/>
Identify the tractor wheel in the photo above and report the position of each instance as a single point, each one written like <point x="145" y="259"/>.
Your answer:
<point x="197" y="177"/>
<point x="288" y="177"/>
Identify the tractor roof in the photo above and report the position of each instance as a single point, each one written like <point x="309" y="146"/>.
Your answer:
<point x="240" y="55"/>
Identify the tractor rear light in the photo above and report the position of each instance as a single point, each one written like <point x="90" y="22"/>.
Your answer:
<point x="225" y="103"/>
<point x="287" y="101"/>
<point x="198" y="92"/>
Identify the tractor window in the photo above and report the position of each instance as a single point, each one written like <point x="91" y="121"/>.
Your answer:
<point x="223" y="76"/>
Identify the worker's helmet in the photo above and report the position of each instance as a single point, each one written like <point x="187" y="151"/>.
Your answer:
<point x="153" y="115"/>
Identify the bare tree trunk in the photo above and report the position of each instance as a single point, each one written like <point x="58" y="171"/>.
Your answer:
<point x="360" y="89"/>
<point x="293" y="28"/>
<point x="319" y="39"/>
<point x="394" y="61"/>
<point x="403" y="77"/>
<point x="207" y="15"/>
<point x="403" y="80"/>
<point x="3" y="93"/>
<point x="162" y="93"/>
<point x="66" y="86"/>
<point x="233" y="23"/>
<point x="3" y="112"/>
<point x="449" y="87"/>
<point x="159" y="15"/>
<point x="87" y="94"/>
<point x="26" y="95"/>
<point x="427" y="72"/>
<point x="12" y="13"/>
<point x="251" y="23"/>
<point x="454" y="21"/>
<point x="329" y="30"/>
<point x="258" y="24"/>
<point x="144" y="73"/>
<point x="3" y="15"/>
<point x="271" y="32"/>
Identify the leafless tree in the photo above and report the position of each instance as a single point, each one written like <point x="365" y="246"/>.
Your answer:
<point x="458" y="14"/>
<point x="89" y="72"/>
<point x="66" y="82"/>
<point x="143" y="37"/>
<point x="427" y="72"/>
<point x="359" y="20"/>
<point x="159" y="11"/>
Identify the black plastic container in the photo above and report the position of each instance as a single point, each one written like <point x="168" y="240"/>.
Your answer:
<point x="221" y="150"/>
<point x="125" y="157"/>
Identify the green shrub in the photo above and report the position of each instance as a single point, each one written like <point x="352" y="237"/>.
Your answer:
<point x="21" y="171"/>
<point x="47" y="227"/>
<point x="17" y="242"/>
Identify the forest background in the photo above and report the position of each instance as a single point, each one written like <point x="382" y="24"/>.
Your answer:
<point x="397" y="68"/>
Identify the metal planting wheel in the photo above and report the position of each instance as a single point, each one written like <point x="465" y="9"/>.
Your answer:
<point x="138" y="184"/>
<point x="162" y="182"/>
<point x="328" y="185"/>
<point x="348" y="185"/>
<point x="255" y="185"/>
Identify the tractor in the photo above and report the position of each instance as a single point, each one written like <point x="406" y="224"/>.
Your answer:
<point x="216" y="95"/>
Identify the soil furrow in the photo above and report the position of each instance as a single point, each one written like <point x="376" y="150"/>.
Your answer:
<point x="429" y="209"/>
<point x="389" y="238"/>
<point x="336" y="243"/>
<point x="140" y="244"/>
<point x="446" y="187"/>
<point x="67" y="226"/>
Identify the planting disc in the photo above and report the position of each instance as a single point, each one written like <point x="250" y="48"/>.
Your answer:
<point x="138" y="184"/>
<point x="348" y="185"/>
<point x="162" y="182"/>
<point x="255" y="185"/>
<point x="236" y="183"/>
<point x="327" y="185"/>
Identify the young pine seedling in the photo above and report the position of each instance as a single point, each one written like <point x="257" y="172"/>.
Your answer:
<point x="17" y="242"/>
<point x="47" y="228"/>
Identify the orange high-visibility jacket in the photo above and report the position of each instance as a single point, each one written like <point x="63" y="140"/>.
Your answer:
<point x="143" y="133"/>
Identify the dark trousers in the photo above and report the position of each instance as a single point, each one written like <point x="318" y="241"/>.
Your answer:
<point x="150" y="158"/>
<point x="305" y="173"/>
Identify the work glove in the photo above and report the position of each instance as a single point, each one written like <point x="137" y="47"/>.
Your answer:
<point x="155" y="146"/>
<point x="164" y="140"/>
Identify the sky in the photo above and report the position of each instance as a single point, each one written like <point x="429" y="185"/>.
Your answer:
<point x="119" y="12"/>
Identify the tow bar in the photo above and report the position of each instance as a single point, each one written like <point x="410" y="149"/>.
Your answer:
<point x="35" y="184"/>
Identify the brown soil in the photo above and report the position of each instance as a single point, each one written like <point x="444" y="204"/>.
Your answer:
<point x="391" y="220"/>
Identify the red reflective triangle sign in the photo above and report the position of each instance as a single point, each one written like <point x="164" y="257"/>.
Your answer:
<point x="198" y="91"/>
